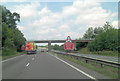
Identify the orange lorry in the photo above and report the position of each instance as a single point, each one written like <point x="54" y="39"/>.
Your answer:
<point x="30" y="48"/>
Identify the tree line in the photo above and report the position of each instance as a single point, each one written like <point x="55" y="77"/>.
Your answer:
<point x="12" y="37"/>
<point x="58" y="47"/>
<point x="105" y="39"/>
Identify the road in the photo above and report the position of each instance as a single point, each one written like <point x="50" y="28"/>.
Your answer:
<point x="44" y="65"/>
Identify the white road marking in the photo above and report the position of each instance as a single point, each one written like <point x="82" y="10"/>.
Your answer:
<point x="28" y="64"/>
<point x="74" y="67"/>
<point x="11" y="58"/>
<point x="33" y="58"/>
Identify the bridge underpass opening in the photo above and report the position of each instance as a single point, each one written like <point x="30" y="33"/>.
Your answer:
<point x="59" y="44"/>
<point x="49" y="44"/>
<point x="42" y="46"/>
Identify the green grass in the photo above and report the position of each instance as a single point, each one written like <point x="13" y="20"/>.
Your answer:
<point x="0" y="57"/>
<point x="0" y="54"/>
<point x="9" y="53"/>
<point x="103" y="53"/>
<point x="106" y="70"/>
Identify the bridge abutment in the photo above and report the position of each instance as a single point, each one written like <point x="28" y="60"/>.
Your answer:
<point x="74" y="44"/>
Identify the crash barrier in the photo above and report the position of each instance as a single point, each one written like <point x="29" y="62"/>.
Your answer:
<point x="100" y="61"/>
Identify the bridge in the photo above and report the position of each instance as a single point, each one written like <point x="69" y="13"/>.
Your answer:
<point x="59" y="41"/>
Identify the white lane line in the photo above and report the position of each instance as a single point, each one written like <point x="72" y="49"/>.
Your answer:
<point x="74" y="67"/>
<point x="33" y="58"/>
<point x="12" y="58"/>
<point x="28" y="64"/>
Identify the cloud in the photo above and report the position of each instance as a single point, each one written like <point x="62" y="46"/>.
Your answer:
<point x="64" y="27"/>
<point x="55" y="0"/>
<point x="44" y="11"/>
<point x="115" y="24"/>
<point x="58" y="35"/>
<point x="72" y="34"/>
<point x="27" y="11"/>
<point x="21" y="27"/>
<point x="42" y="23"/>
<point x="13" y="0"/>
<point x="46" y="31"/>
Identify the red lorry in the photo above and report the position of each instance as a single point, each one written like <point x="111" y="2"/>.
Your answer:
<point x="30" y="48"/>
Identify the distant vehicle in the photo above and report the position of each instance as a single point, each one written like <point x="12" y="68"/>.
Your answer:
<point x="47" y="51"/>
<point x="30" y="48"/>
<point x="42" y="50"/>
<point x="52" y="49"/>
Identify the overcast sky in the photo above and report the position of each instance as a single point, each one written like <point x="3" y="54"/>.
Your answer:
<point x="57" y="20"/>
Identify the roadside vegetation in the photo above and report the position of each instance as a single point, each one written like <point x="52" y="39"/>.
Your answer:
<point x="12" y="37"/>
<point x="105" y="41"/>
<point x="0" y="54"/>
<point x="106" y="70"/>
<point x="8" y="53"/>
<point x="102" y="53"/>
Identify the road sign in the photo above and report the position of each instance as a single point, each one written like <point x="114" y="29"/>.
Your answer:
<point x="68" y="45"/>
<point x="22" y="47"/>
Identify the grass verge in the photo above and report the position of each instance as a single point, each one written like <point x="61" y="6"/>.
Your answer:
<point x="7" y="53"/>
<point x="0" y="54"/>
<point x="106" y="70"/>
<point x="102" y="53"/>
<point x="0" y="57"/>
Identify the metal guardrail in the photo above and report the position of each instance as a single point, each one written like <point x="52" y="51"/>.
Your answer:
<point x="100" y="61"/>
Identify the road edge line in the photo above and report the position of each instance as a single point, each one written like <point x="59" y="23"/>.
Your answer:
<point x="11" y="58"/>
<point x="75" y="68"/>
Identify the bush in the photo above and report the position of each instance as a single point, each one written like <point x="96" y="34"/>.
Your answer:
<point x="9" y="43"/>
<point x="8" y="52"/>
<point x="106" y="40"/>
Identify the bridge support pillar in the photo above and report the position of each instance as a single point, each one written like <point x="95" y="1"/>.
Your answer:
<point x="74" y="44"/>
<point x="49" y="45"/>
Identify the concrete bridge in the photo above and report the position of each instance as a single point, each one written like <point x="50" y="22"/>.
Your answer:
<point x="60" y="41"/>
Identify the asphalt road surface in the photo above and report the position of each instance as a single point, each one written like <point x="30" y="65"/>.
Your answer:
<point x="44" y="65"/>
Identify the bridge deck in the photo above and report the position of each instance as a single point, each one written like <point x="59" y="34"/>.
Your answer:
<point x="58" y="41"/>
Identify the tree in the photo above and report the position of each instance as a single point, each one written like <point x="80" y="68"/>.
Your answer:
<point x="57" y="47"/>
<point x="89" y="33"/>
<point x="7" y="33"/>
<point x="106" y="40"/>
<point x="81" y="45"/>
<point x="97" y="30"/>
<point x="9" y="43"/>
<point x="10" y="32"/>
<point x="0" y="36"/>
<point x="18" y="39"/>
<point x="10" y="18"/>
